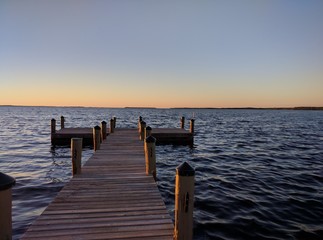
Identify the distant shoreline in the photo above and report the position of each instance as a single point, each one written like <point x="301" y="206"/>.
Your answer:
<point x="258" y="108"/>
<point x="215" y="108"/>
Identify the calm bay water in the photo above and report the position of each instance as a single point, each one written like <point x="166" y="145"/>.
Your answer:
<point x="259" y="173"/>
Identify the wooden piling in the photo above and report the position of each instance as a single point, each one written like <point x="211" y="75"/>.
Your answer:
<point x="148" y="131"/>
<point x="184" y="202"/>
<point x="182" y="122"/>
<point x="53" y="128"/>
<point x="192" y="126"/>
<point x="76" y="153"/>
<point x="103" y="130"/>
<point x="139" y="124"/>
<point x="62" y="122"/>
<point x="111" y="125"/>
<point x="6" y="183"/>
<point x="142" y="130"/>
<point x="96" y="138"/>
<point x="114" y="122"/>
<point x="150" y="156"/>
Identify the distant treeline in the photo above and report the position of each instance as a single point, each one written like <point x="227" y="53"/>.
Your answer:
<point x="254" y="108"/>
<point x="308" y="108"/>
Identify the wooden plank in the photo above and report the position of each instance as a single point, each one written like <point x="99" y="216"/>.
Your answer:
<point x="127" y="232"/>
<point x="113" y="198"/>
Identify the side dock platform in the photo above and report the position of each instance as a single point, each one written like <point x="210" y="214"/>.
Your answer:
<point x="176" y="136"/>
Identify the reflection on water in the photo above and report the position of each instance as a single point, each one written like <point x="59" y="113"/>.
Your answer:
<point x="259" y="174"/>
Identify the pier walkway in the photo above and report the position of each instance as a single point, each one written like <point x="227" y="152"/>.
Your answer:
<point x="112" y="198"/>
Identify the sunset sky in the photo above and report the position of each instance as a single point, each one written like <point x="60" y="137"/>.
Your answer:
<point x="151" y="53"/>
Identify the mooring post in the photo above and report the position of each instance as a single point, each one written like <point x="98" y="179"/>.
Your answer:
<point x="103" y="130"/>
<point x="114" y="122"/>
<point x="139" y="123"/>
<point x="62" y="122"/>
<point x="52" y="128"/>
<point x="111" y="125"/>
<point x="192" y="126"/>
<point x="6" y="183"/>
<point x="184" y="202"/>
<point x="150" y="155"/>
<point x="76" y="153"/>
<point x="142" y="130"/>
<point x="96" y="138"/>
<point x="182" y="122"/>
<point x="147" y="131"/>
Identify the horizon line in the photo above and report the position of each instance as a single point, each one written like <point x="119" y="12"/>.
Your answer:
<point x="128" y="107"/>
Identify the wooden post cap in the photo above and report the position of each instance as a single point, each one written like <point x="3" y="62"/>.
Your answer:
<point x="148" y="128"/>
<point x="53" y="119"/>
<point x="185" y="170"/>
<point x="6" y="181"/>
<point x="104" y="122"/>
<point x="192" y="120"/>
<point x="150" y="139"/>
<point x="140" y="118"/>
<point x="97" y="128"/>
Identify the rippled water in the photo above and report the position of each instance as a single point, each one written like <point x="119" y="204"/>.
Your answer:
<point x="259" y="173"/>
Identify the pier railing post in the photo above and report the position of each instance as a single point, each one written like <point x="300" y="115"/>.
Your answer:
<point x="52" y="129"/>
<point x="139" y="124"/>
<point x="150" y="156"/>
<point x="184" y="202"/>
<point x="142" y="130"/>
<point x="103" y="130"/>
<point x="192" y="126"/>
<point x="76" y="152"/>
<point x="62" y="122"/>
<point x="96" y="138"/>
<point x="114" y="122"/>
<point x="182" y="122"/>
<point x="6" y="183"/>
<point x="111" y="125"/>
<point x="148" y="131"/>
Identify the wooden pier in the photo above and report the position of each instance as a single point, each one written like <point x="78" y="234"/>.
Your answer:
<point x="112" y="198"/>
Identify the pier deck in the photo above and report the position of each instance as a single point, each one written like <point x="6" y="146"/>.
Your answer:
<point x="162" y="135"/>
<point x="112" y="198"/>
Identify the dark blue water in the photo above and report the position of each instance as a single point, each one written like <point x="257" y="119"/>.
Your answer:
<point x="259" y="173"/>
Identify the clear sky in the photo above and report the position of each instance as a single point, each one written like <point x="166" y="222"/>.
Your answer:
<point x="216" y="53"/>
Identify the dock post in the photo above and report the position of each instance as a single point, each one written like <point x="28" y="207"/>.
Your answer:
<point x="76" y="152"/>
<point x="147" y="131"/>
<point x="139" y="123"/>
<point x="62" y="122"/>
<point x="184" y="202"/>
<point x="6" y="183"/>
<point x="53" y="128"/>
<point x="150" y="156"/>
<point x="182" y="122"/>
<point x="111" y="125"/>
<point x="142" y="130"/>
<point x="114" y="122"/>
<point x="192" y="126"/>
<point x="96" y="137"/>
<point x="103" y="130"/>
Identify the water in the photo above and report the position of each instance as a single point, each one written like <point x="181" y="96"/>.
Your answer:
<point x="259" y="173"/>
